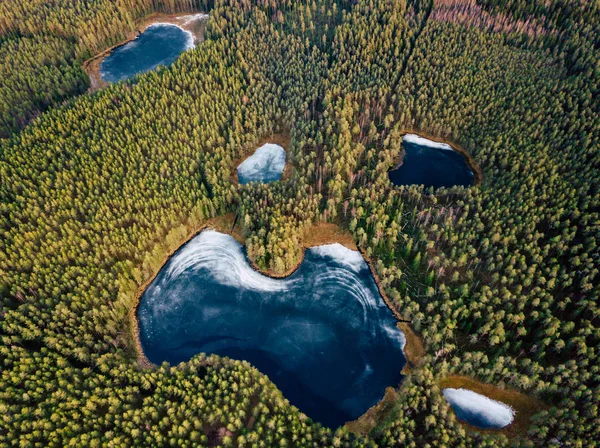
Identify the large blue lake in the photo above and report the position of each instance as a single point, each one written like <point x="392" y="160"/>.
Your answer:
<point x="159" y="44"/>
<point x="323" y="335"/>
<point x="431" y="164"/>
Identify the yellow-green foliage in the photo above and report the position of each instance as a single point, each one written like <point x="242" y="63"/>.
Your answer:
<point x="500" y="280"/>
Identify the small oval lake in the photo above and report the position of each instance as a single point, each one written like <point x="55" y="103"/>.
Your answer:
<point x="323" y="335"/>
<point x="159" y="44"/>
<point x="431" y="164"/>
<point x="265" y="165"/>
<point x="478" y="410"/>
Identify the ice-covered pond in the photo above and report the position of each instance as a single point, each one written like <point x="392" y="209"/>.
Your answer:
<point x="479" y="410"/>
<point x="159" y="44"/>
<point x="431" y="164"/>
<point x="265" y="165"/>
<point x="323" y="335"/>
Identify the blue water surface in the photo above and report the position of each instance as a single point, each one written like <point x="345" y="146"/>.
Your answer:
<point x="477" y="419"/>
<point x="159" y="44"/>
<point x="324" y="335"/>
<point x="432" y="167"/>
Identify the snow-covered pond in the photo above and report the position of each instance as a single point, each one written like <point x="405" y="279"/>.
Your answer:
<point x="479" y="410"/>
<point x="323" y="335"/>
<point x="265" y="165"/>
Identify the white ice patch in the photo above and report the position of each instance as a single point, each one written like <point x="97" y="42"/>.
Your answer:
<point x="341" y="254"/>
<point x="131" y="44"/>
<point x="394" y="333"/>
<point x="366" y="373"/>
<point x="192" y="18"/>
<point x="267" y="160"/>
<point x="190" y="37"/>
<point x="497" y="414"/>
<point x="224" y="258"/>
<point x="422" y="141"/>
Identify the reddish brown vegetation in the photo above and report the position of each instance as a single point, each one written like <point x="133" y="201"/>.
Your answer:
<point x="469" y="13"/>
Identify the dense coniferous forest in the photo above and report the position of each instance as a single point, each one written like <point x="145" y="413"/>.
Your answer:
<point x="499" y="280"/>
<point x="43" y="44"/>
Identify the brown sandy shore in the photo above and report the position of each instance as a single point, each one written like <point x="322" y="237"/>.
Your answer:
<point x="317" y="235"/>
<point x="92" y="65"/>
<point x="473" y="165"/>
<point x="374" y="415"/>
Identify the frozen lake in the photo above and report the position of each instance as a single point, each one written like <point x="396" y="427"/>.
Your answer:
<point x="265" y="165"/>
<point x="431" y="164"/>
<point x="159" y="44"/>
<point x="323" y="335"/>
<point x="479" y="410"/>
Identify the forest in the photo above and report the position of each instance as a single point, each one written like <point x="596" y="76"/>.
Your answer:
<point x="500" y="280"/>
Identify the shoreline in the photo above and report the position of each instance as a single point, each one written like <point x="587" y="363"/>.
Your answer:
<point x="413" y="348"/>
<point x="218" y="223"/>
<point x="333" y="234"/>
<point x="134" y="328"/>
<point x="364" y="424"/>
<point x="93" y="64"/>
<point x="471" y="162"/>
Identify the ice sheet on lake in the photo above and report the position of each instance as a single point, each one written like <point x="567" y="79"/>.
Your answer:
<point x="223" y="256"/>
<point x="347" y="257"/>
<point x="265" y="165"/>
<point x="422" y="141"/>
<point x="323" y="335"/>
<point x="190" y="37"/>
<point x="397" y="335"/>
<point x="192" y="18"/>
<point x="478" y="409"/>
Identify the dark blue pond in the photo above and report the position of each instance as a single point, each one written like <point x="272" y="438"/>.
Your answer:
<point x="323" y="335"/>
<point x="159" y="44"/>
<point x="431" y="164"/>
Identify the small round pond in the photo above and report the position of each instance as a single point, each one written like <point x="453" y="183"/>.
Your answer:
<point x="431" y="164"/>
<point x="265" y="165"/>
<point x="159" y="44"/>
<point x="323" y="335"/>
<point x="478" y="410"/>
